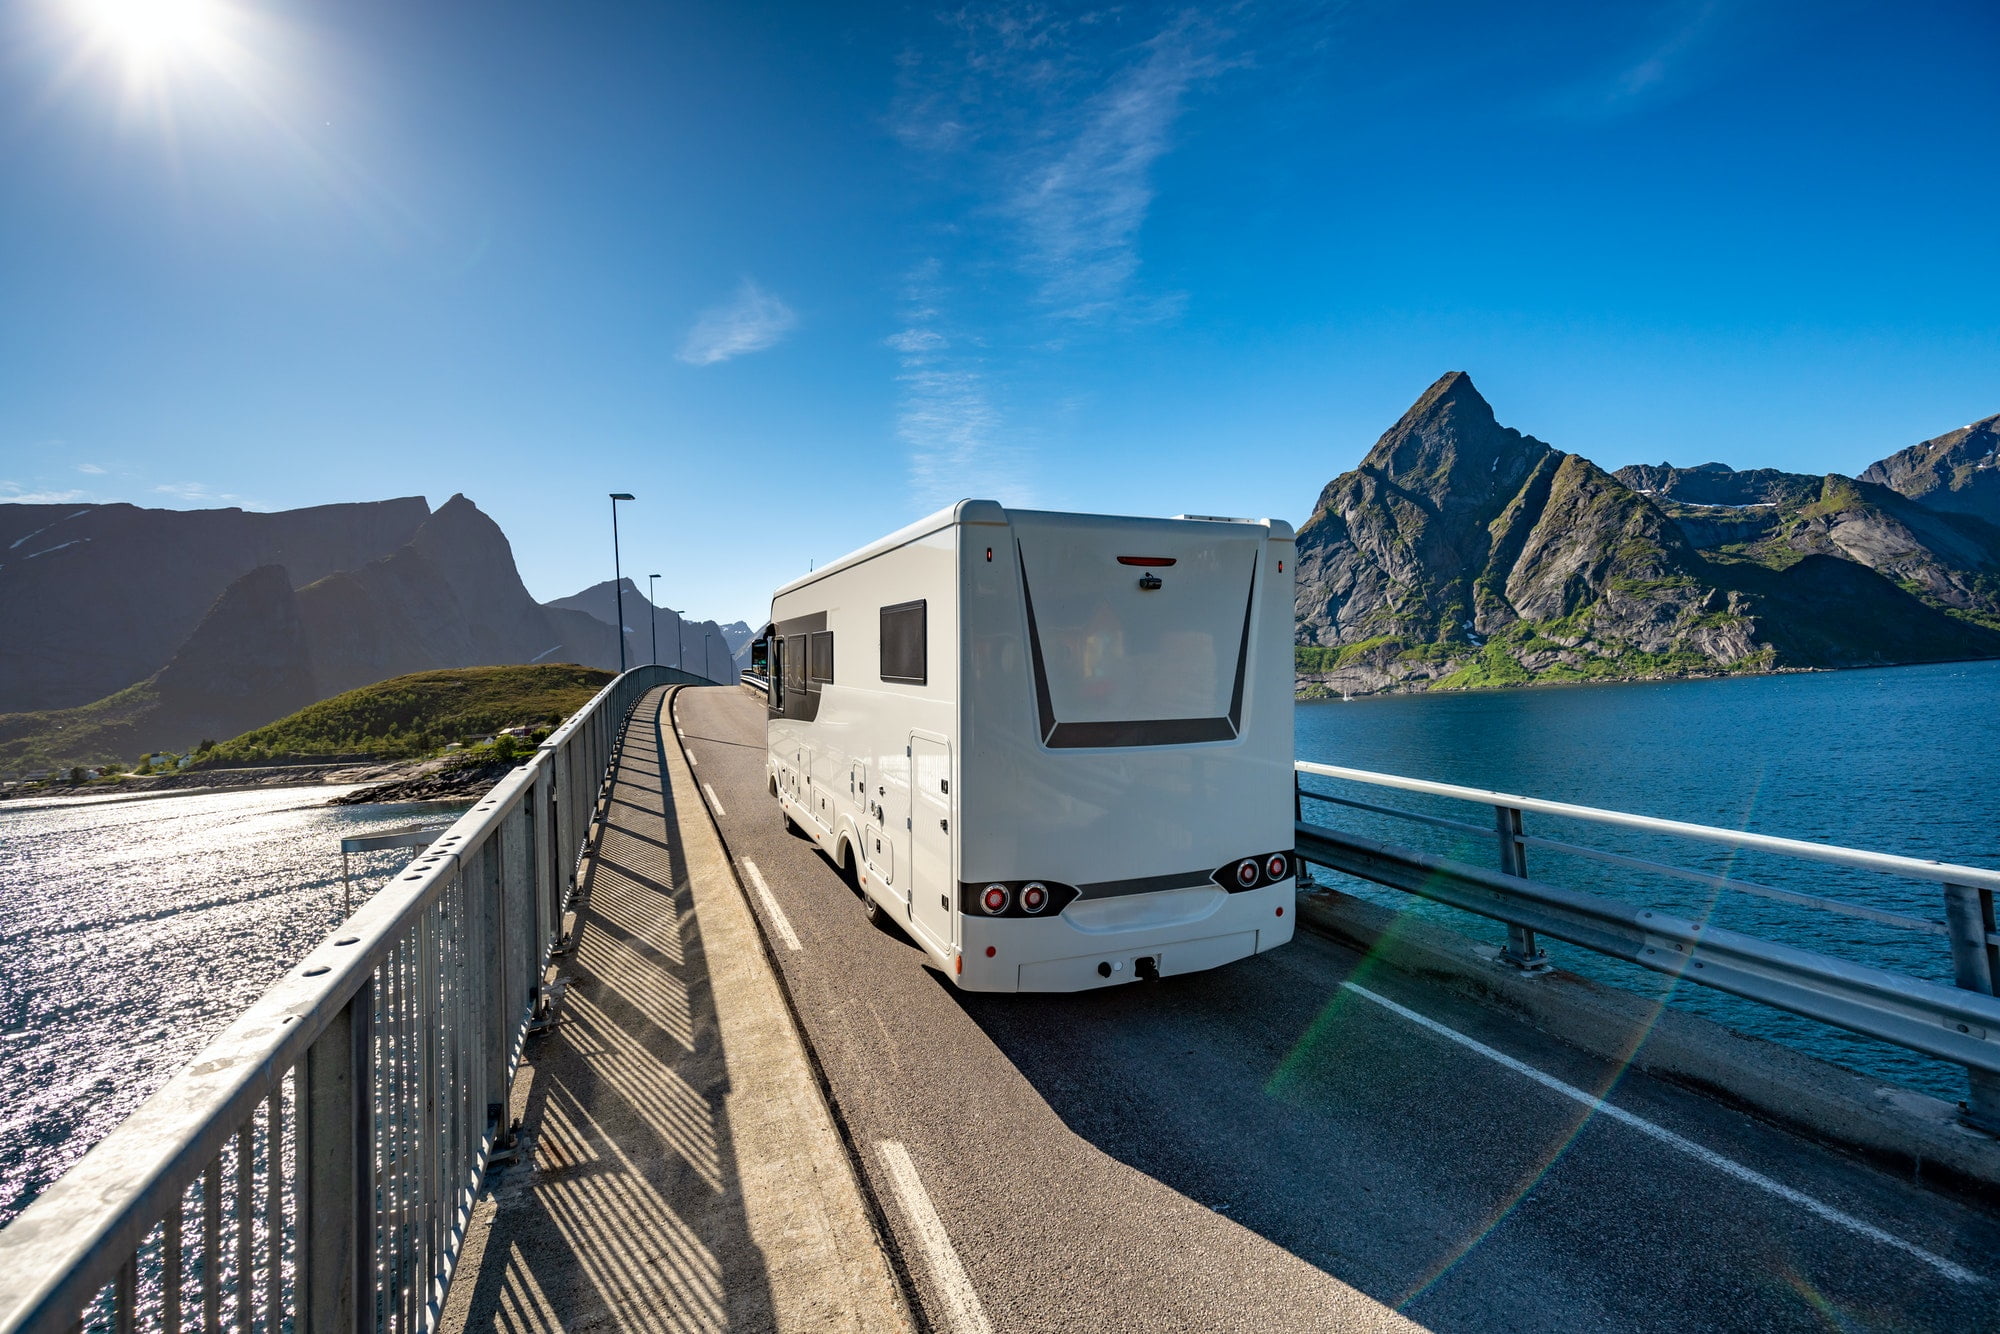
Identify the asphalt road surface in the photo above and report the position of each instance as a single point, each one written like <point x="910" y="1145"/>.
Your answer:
<point x="1303" y="1140"/>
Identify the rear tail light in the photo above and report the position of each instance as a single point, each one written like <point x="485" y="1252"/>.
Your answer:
<point x="1015" y="898"/>
<point x="1266" y="868"/>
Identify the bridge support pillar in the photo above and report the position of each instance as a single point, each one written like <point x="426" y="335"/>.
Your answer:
<point x="1523" y="951"/>
<point x="1975" y="966"/>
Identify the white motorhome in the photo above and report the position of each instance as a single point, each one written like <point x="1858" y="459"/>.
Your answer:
<point x="1055" y="748"/>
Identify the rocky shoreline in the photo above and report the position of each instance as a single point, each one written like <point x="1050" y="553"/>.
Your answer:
<point x="1361" y="682"/>
<point x="431" y="780"/>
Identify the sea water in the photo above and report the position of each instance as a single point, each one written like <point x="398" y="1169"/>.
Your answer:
<point x="1901" y="760"/>
<point x="133" y="930"/>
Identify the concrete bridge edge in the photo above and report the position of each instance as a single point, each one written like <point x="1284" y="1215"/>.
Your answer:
<point x="882" y="1281"/>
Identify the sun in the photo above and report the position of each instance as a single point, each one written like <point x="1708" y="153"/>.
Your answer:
<point x="152" y="31"/>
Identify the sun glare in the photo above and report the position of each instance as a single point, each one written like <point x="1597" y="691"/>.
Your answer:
<point x="150" y="31"/>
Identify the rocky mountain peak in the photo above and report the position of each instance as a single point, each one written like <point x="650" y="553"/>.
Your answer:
<point x="1450" y="450"/>
<point x="247" y="661"/>
<point x="1957" y="472"/>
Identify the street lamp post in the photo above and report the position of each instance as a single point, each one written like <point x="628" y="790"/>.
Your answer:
<point x="653" y="613"/>
<point x="680" y="639"/>
<point x="617" y="576"/>
<point x="708" y="654"/>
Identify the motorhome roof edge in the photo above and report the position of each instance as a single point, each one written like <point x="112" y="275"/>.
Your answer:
<point x="965" y="511"/>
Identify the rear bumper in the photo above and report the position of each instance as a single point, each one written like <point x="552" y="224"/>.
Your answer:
<point x="1055" y="955"/>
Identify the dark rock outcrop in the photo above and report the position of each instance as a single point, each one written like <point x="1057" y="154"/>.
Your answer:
<point x="1718" y="484"/>
<point x="246" y="663"/>
<point x="1464" y="553"/>
<point x="1958" y="472"/>
<point x="97" y="597"/>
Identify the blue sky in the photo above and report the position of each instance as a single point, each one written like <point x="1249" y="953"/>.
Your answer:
<point x="797" y="274"/>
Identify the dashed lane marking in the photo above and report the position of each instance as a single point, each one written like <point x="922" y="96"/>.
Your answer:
<point x="1728" y="1166"/>
<point x="782" y="923"/>
<point x="713" y="800"/>
<point x="961" y="1303"/>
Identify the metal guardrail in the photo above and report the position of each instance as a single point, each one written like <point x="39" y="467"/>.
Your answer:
<point x="413" y="837"/>
<point x="1959" y="1024"/>
<point x="314" y="1168"/>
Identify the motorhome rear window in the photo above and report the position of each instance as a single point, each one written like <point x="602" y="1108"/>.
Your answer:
<point x="904" y="659"/>
<point x="822" y="656"/>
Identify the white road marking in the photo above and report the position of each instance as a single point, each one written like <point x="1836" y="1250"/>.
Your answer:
<point x="961" y="1303"/>
<point x="692" y="759"/>
<point x="771" y="908"/>
<point x="1729" y="1166"/>
<point x="712" y="799"/>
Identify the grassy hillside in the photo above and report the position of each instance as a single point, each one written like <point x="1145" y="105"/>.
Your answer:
<point x="419" y="713"/>
<point x="111" y="729"/>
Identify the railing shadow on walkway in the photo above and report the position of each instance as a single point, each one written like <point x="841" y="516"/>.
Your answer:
<point x="626" y="1211"/>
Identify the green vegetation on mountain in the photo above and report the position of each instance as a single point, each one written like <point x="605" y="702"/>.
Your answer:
<point x="401" y="718"/>
<point x="414" y="715"/>
<point x="1462" y="554"/>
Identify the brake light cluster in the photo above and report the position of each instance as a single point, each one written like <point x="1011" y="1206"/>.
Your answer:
<point x="1015" y="898"/>
<point x="1255" y="872"/>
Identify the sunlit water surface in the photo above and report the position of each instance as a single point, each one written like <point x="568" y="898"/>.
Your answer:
<point x="133" y="930"/>
<point x="1903" y="760"/>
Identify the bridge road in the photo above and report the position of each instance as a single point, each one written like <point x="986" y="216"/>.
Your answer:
<point x="1265" y="1148"/>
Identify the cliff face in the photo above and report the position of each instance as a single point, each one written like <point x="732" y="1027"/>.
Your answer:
<point x="1958" y="472"/>
<point x="1463" y="553"/>
<point x="266" y="643"/>
<point x="451" y="597"/>
<point x="97" y="597"/>
<point x="246" y="663"/>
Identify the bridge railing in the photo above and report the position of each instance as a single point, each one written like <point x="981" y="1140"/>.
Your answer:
<point x="1958" y="1023"/>
<point x="314" y="1168"/>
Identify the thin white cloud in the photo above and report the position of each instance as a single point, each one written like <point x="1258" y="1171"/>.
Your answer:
<point x="1047" y="129"/>
<point x="954" y="436"/>
<point x="750" y="321"/>
<point x="1081" y="206"/>
<point x="1679" y="46"/>
<point x="91" y="468"/>
<point x="13" y="493"/>
<point x="200" y="493"/>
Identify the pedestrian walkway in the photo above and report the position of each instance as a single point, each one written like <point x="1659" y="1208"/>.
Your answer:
<point x="680" y="1169"/>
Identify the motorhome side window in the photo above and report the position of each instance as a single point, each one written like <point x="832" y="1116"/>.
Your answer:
<point x="795" y="661"/>
<point x="904" y="656"/>
<point x="821" y="655"/>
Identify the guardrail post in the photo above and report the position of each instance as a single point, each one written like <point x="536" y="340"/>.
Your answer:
<point x="1302" y="872"/>
<point x="1522" y="951"/>
<point x="1975" y="966"/>
<point x="337" y="1149"/>
<point x="489" y="905"/>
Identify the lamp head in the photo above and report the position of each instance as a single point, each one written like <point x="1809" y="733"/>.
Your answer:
<point x="623" y="495"/>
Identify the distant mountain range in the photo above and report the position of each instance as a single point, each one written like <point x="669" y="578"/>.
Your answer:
<point x="1463" y="553"/>
<point x="130" y="630"/>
